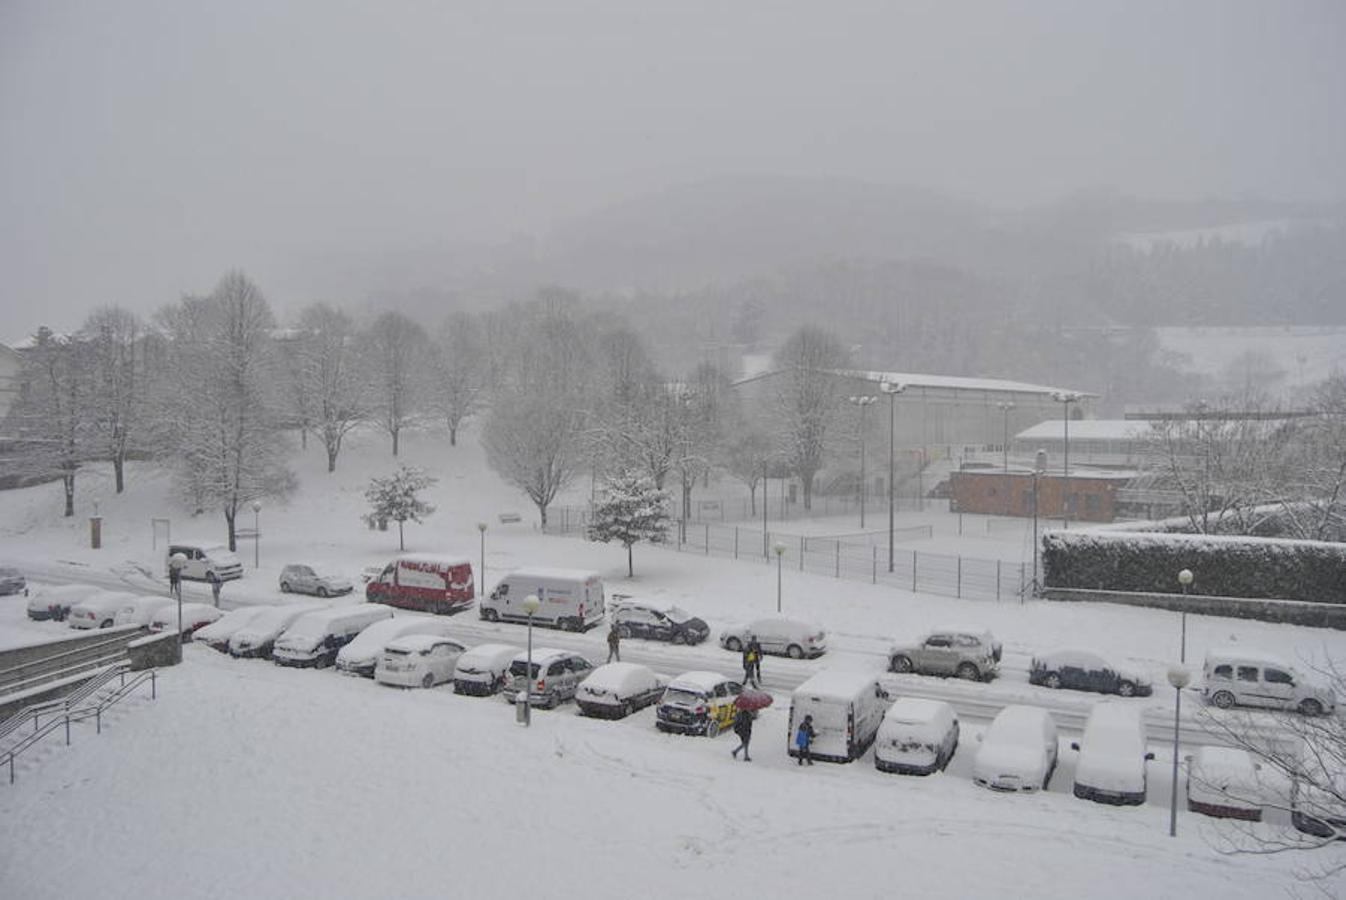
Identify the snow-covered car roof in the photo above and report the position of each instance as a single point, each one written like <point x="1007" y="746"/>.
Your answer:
<point x="699" y="682"/>
<point x="916" y="711"/>
<point x="64" y="595"/>
<point x="419" y="643"/>
<point x="1235" y="654"/>
<point x="1087" y="658"/>
<point x="108" y="601"/>
<point x="663" y="606"/>
<point x="838" y="684"/>
<point x="369" y="643"/>
<point x="433" y="559"/>
<point x="544" y="655"/>
<point x="275" y="618"/>
<point x="191" y="614"/>
<point x="620" y="677"/>
<point x="1018" y="722"/>
<point x="1224" y="776"/>
<point x="148" y="601"/>
<point x="488" y="654"/>
<point x="318" y="621"/>
<point x="230" y="622"/>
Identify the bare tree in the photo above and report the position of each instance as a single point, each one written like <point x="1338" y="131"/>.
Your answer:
<point x="460" y="371"/>
<point x="115" y="339"/>
<point x="1315" y="468"/>
<point x="397" y="358"/>
<point x="54" y="410"/>
<point x="327" y="370"/>
<point x="745" y="457"/>
<point x="806" y="400"/>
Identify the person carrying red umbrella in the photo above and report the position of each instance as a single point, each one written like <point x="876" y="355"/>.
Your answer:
<point x="743" y="728"/>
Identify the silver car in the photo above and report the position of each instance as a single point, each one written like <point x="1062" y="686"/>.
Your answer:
<point x="555" y="676"/>
<point x="965" y="654"/>
<point x="304" y="579"/>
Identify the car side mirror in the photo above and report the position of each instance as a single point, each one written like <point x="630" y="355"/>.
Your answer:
<point x="1149" y="757"/>
<point x="1074" y="745"/>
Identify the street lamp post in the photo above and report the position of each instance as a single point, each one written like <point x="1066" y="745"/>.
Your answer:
<point x="531" y="604"/>
<point x="1039" y="466"/>
<point x="765" y="500"/>
<point x="1065" y="398"/>
<point x="863" y="402"/>
<point x="481" y="576"/>
<point x="1185" y="579"/>
<point x="780" y="555"/>
<point x="1005" y="406"/>
<point x="1178" y="676"/>
<point x="256" y="533"/>
<point x="176" y="562"/>
<point x="892" y="389"/>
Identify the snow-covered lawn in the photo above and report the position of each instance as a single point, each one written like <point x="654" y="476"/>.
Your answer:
<point x="246" y="778"/>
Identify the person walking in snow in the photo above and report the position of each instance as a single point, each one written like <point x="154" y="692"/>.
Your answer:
<point x="743" y="728"/>
<point x="749" y="663"/>
<point x="175" y="582"/>
<point x="215" y="591"/>
<point x="614" y="645"/>
<point x="756" y="649"/>
<point x="804" y="740"/>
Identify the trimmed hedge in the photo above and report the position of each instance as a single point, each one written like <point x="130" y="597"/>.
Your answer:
<point x="1223" y="566"/>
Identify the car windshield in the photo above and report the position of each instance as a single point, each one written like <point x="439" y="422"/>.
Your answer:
<point x="393" y="651"/>
<point x="678" y="695"/>
<point x="520" y="667"/>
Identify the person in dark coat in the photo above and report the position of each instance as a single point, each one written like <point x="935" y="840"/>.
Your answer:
<point x="614" y="645"/>
<point x="750" y="663"/>
<point x="756" y="650"/>
<point x="743" y="728"/>
<point x="804" y="740"/>
<point x="215" y="591"/>
<point x="175" y="582"/>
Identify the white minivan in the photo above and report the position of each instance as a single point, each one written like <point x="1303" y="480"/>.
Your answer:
<point x="315" y="638"/>
<point x="1252" y="678"/>
<point x="570" y="598"/>
<point x="847" y="708"/>
<point x="207" y="561"/>
<point x="1113" y="754"/>
<point x="917" y="737"/>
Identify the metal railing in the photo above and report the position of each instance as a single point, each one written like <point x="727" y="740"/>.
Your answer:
<point x="78" y="713"/>
<point x="858" y="557"/>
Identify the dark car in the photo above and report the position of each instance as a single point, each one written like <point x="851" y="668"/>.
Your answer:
<point x="656" y="621"/>
<point x="1084" y="670"/>
<point x="12" y="581"/>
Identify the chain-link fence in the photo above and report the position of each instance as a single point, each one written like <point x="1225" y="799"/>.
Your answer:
<point x="854" y="557"/>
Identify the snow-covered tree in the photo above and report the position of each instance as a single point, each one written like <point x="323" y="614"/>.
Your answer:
<point x="395" y="498"/>
<point x="631" y="509"/>
<point x="115" y="344"/>
<point x="397" y="363"/>
<point x="745" y="457"/>
<point x="54" y="412"/>
<point x="807" y="400"/>
<point x="459" y="362"/>
<point x="329" y="377"/>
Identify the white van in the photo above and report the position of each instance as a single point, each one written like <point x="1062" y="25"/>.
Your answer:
<point x="571" y="598"/>
<point x="917" y="737"/>
<point x="482" y="671"/>
<point x="1111" y="768"/>
<point x="315" y="638"/>
<point x="1251" y="678"/>
<point x="208" y="561"/>
<point x="847" y="709"/>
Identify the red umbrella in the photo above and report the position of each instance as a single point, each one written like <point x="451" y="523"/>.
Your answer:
<point x="753" y="700"/>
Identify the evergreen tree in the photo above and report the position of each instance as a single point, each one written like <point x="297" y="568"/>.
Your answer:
<point x="632" y="509"/>
<point x="394" y="497"/>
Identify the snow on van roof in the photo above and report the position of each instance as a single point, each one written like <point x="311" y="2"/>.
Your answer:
<point x="915" y="710"/>
<point x="436" y="559"/>
<point x="700" y="681"/>
<point x="838" y="684"/>
<point x="549" y="572"/>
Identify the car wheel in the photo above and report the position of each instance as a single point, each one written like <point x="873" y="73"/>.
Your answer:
<point x="625" y="710"/>
<point x="1311" y="707"/>
<point x="1126" y="689"/>
<point x="1052" y="680"/>
<point x="733" y="644"/>
<point x="661" y="727"/>
<point x="106" y="623"/>
<point x="285" y="587"/>
<point x="623" y="632"/>
<point x="968" y="672"/>
<point x="428" y="681"/>
<point x="794" y="651"/>
<point x="712" y="729"/>
<point x="1222" y="699"/>
<point x="678" y="638"/>
<point x="323" y="592"/>
<point x="490" y="615"/>
<point x="900" y="664"/>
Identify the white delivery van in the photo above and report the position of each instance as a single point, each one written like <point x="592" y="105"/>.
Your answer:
<point x="570" y="598"/>
<point x="847" y="709"/>
<point x="315" y="638"/>
<point x="208" y="561"/>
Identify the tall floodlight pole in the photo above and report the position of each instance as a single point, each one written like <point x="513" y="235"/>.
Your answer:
<point x="892" y="389"/>
<point x="1065" y="398"/>
<point x="1005" y="406"/>
<point x="780" y="555"/>
<point x="863" y="402"/>
<point x="1178" y="676"/>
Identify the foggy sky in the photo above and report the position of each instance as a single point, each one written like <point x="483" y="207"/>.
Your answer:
<point x="146" y="147"/>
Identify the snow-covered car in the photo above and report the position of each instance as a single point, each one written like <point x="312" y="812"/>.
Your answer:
<point x="141" y="610"/>
<point x="483" y="670"/>
<point x="1084" y="670"/>
<point x="1317" y="806"/>
<point x="195" y="616"/>
<point x="974" y="655"/>
<point x="916" y="737"/>
<point x="361" y="655"/>
<point x="656" y="620"/>
<point x="698" y="703"/>
<point x="12" y="581"/>
<point x="616" y="690"/>
<point x="218" y="634"/>
<point x="55" y="602"/>
<point x="554" y="678"/>
<point x="1113" y="754"/>
<point x="300" y="578"/>
<point x="99" y="610"/>
<point x="418" y="660"/>
<point x="1243" y="677"/>
<point x="204" y="561"/>
<point x="1223" y="782"/>
<point x="778" y="635"/>
<point x="1018" y="751"/>
<point x="315" y="638"/>
<point x="258" y="636"/>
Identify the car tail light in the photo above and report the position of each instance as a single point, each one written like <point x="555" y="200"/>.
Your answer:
<point x="541" y="684"/>
<point x="699" y="710"/>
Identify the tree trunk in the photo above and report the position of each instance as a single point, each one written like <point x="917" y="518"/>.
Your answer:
<point x="401" y="544"/>
<point x="303" y="438"/>
<point x="395" y="434"/>
<point x="233" y="534"/>
<point x="752" y="496"/>
<point x="808" y="490"/>
<point x="542" y="511"/>
<point x="630" y="564"/>
<point x="69" y="482"/>
<point x="331" y="458"/>
<point x="453" y="435"/>
<point x="119" y="470"/>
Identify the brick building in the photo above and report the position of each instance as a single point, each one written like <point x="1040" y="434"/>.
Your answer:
<point x="1083" y="497"/>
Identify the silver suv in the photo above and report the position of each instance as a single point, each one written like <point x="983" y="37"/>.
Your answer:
<point x="966" y="654"/>
<point x="555" y="677"/>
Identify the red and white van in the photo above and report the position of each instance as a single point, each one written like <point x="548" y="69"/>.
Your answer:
<point x="436" y="584"/>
